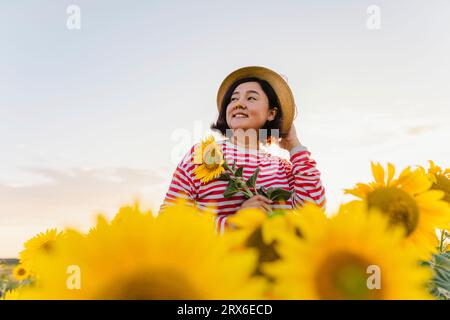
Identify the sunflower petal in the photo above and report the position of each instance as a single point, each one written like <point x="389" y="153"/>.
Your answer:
<point x="361" y="190"/>
<point x="377" y="172"/>
<point x="391" y="173"/>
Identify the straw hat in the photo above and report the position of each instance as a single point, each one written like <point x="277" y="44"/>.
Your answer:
<point x="278" y="84"/>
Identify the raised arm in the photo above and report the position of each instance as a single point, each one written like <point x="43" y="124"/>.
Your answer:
<point x="305" y="178"/>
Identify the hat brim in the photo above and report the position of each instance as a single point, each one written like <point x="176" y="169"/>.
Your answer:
<point x="278" y="84"/>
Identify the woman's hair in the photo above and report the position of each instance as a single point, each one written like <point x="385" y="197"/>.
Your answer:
<point x="221" y="123"/>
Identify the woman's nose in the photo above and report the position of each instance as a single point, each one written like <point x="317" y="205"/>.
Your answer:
<point x="241" y="104"/>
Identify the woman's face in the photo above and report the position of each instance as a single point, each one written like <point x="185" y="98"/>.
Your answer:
<point x="255" y="107"/>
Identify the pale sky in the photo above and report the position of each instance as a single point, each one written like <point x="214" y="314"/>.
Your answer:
<point x="91" y="119"/>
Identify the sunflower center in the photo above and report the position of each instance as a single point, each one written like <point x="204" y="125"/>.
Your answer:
<point x="47" y="246"/>
<point x="152" y="285"/>
<point x="343" y="276"/>
<point x="442" y="184"/>
<point x="212" y="159"/>
<point x="401" y="207"/>
<point x="21" y="271"/>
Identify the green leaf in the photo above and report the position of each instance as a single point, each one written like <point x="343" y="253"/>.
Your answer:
<point x="247" y="196"/>
<point x="446" y="254"/>
<point x="224" y="177"/>
<point x="425" y="263"/>
<point x="239" y="172"/>
<point x="443" y="294"/>
<point x="440" y="284"/>
<point x="231" y="189"/>
<point x="251" y="182"/>
<point x="442" y="260"/>
<point x="262" y="191"/>
<point x="278" y="194"/>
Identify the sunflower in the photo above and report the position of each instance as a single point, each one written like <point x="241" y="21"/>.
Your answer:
<point x="176" y="255"/>
<point x="253" y="228"/>
<point x="407" y="201"/>
<point x="125" y="213"/>
<point x="209" y="158"/>
<point x="247" y="222"/>
<point x="41" y="244"/>
<point x="130" y="213"/>
<point x="21" y="273"/>
<point x="349" y="256"/>
<point x="440" y="179"/>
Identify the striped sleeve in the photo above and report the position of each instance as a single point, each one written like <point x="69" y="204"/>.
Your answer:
<point x="182" y="185"/>
<point x="305" y="178"/>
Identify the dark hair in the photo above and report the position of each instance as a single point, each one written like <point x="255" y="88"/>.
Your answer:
<point x="221" y="123"/>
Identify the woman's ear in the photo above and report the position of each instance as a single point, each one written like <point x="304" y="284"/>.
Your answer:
<point x="272" y="114"/>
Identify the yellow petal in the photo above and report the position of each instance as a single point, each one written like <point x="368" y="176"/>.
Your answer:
<point x="361" y="190"/>
<point x="377" y="172"/>
<point x="431" y="195"/>
<point x="391" y="173"/>
<point x="250" y="217"/>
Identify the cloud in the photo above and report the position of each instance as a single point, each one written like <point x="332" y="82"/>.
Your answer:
<point x="415" y="130"/>
<point x="359" y="128"/>
<point x="72" y="197"/>
<point x="77" y="186"/>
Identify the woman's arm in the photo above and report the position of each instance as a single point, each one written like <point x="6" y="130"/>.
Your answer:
<point x="304" y="178"/>
<point x="182" y="185"/>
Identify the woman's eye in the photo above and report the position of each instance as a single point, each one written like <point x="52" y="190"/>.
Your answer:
<point x="252" y="98"/>
<point x="233" y="99"/>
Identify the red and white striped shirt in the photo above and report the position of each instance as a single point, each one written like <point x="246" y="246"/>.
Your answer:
<point x="298" y="175"/>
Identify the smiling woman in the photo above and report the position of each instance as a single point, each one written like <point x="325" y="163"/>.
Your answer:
<point x="259" y="104"/>
<point x="256" y="106"/>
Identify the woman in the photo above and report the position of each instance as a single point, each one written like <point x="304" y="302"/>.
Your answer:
<point x="256" y="107"/>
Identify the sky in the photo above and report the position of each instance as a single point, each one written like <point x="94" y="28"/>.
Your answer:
<point x="97" y="117"/>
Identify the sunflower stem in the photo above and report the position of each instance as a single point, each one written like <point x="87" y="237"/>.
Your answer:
<point x="244" y="187"/>
<point x="441" y="243"/>
<point x="226" y="167"/>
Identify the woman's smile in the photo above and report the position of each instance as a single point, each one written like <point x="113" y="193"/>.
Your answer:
<point x="240" y="115"/>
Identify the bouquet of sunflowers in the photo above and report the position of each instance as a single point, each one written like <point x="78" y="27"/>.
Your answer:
<point x="212" y="165"/>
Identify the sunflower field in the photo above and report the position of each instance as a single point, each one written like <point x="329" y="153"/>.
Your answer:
<point x="390" y="242"/>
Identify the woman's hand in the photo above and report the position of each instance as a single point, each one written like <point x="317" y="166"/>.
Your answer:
<point x="259" y="202"/>
<point x="291" y="141"/>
